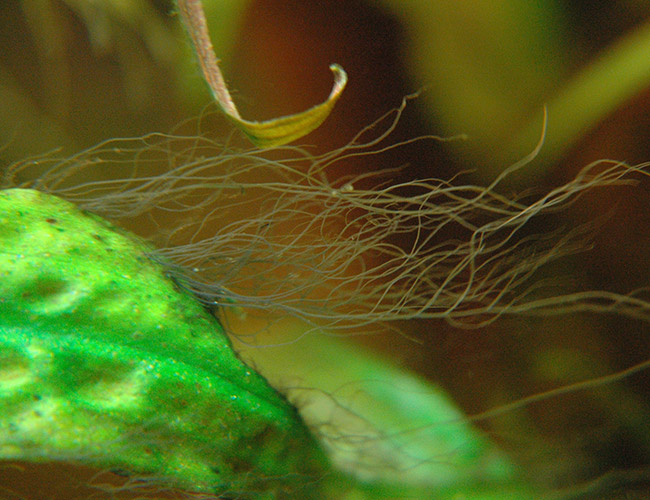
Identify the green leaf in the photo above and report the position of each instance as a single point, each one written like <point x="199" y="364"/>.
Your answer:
<point x="104" y="362"/>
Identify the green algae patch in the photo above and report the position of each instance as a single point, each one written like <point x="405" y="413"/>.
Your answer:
<point x="104" y="362"/>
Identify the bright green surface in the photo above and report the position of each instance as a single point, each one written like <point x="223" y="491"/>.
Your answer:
<point x="103" y="362"/>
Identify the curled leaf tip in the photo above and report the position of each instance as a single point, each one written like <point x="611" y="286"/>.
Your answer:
<point x="265" y="134"/>
<point x="283" y="130"/>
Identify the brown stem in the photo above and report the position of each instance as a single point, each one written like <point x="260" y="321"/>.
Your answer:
<point x="194" y="20"/>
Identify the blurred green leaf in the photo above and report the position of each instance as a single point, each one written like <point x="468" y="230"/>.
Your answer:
<point x="485" y="65"/>
<point x="387" y="427"/>
<point x="605" y="84"/>
<point x="490" y="68"/>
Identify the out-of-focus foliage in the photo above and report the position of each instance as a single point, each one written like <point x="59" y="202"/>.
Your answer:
<point x="490" y="68"/>
<point x="485" y="65"/>
<point x="75" y="72"/>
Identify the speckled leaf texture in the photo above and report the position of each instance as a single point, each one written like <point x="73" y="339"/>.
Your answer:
<point x="103" y="361"/>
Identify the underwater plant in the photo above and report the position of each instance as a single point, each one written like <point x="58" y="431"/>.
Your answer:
<point x="109" y="360"/>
